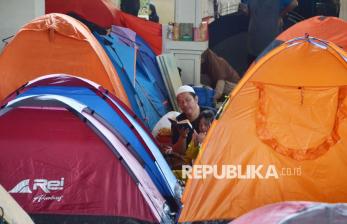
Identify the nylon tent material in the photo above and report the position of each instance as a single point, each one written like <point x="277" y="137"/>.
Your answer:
<point x="118" y="117"/>
<point x="65" y="164"/>
<point x="146" y="58"/>
<point x="296" y="212"/>
<point x="327" y="28"/>
<point x="56" y="43"/>
<point x="139" y="73"/>
<point x="151" y="32"/>
<point x="149" y="62"/>
<point x="287" y="113"/>
<point x="104" y="14"/>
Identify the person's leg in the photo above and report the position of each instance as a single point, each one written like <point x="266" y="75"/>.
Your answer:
<point x="228" y="87"/>
<point x="219" y="89"/>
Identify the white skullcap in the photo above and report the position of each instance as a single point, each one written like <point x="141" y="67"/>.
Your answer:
<point x="184" y="89"/>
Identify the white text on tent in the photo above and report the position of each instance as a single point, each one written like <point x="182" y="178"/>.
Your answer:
<point x="229" y="172"/>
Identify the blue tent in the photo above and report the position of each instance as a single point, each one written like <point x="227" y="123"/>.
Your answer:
<point x="138" y="70"/>
<point x="148" y="59"/>
<point x="120" y="120"/>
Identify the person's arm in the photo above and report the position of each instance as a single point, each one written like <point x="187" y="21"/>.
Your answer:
<point x="243" y="7"/>
<point x="181" y="143"/>
<point x="178" y="139"/>
<point x="289" y="7"/>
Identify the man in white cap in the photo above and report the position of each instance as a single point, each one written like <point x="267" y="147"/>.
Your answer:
<point x="188" y="103"/>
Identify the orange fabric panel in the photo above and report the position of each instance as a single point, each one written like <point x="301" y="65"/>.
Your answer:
<point x="295" y="126"/>
<point x="233" y="138"/>
<point x="56" y="43"/>
<point x="326" y="28"/>
<point x="274" y="52"/>
<point x="303" y="65"/>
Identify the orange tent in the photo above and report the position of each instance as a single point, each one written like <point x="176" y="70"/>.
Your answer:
<point x="285" y="119"/>
<point x="104" y="14"/>
<point x="331" y="29"/>
<point x="56" y="43"/>
<point x="328" y="28"/>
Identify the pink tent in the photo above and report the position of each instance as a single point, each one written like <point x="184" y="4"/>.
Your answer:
<point x="296" y="213"/>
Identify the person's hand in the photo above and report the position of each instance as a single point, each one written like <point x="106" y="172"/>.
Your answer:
<point x="201" y="137"/>
<point x="167" y="149"/>
<point x="243" y="8"/>
<point x="195" y="138"/>
<point x="183" y="133"/>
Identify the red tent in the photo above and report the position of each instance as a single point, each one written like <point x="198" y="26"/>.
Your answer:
<point x="104" y="14"/>
<point x="63" y="164"/>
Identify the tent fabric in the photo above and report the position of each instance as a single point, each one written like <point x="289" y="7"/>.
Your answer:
<point x="292" y="72"/>
<point x="104" y="14"/>
<point x="296" y="212"/>
<point x="151" y="32"/>
<point x="140" y="75"/>
<point x="56" y="43"/>
<point x="126" y="34"/>
<point x="122" y="120"/>
<point x="114" y="183"/>
<point x="100" y="12"/>
<point x="148" y="60"/>
<point x="317" y="134"/>
<point x="327" y="28"/>
<point x="145" y="55"/>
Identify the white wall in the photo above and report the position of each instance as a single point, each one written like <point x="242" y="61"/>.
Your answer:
<point x="165" y="10"/>
<point x="116" y="3"/>
<point x="16" y="13"/>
